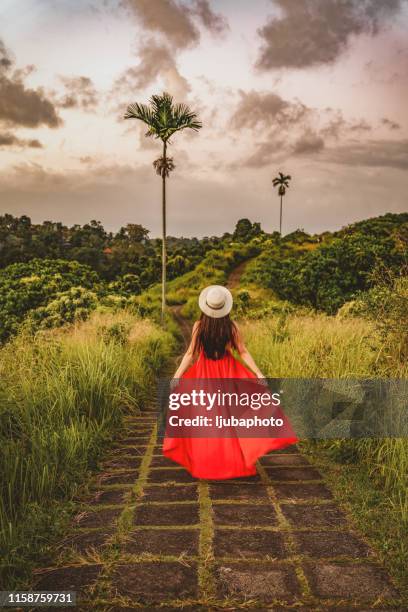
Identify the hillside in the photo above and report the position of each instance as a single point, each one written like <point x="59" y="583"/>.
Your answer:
<point x="321" y="271"/>
<point x="325" y="271"/>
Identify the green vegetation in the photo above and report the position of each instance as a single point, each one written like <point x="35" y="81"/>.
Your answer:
<point x="328" y="305"/>
<point x="62" y="397"/>
<point x="325" y="272"/>
<point x="212" y="270"/>
<point x="112" y="256"/>
<point x="311" y="346"/>
<point x="42" y="284"/>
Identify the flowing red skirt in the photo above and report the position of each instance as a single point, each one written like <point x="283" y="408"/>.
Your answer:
<point x="219" y="458"/>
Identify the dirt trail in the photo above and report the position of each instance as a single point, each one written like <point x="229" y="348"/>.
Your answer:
<point x="234" y="278"/>
<point x="150" y="535"/>
<point x="185" y="326"/>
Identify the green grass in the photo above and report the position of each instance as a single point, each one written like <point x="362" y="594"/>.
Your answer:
<point x="293" y="345"/>
<point x="370" y="506"/>
<point x="184" y="290"/>
<point x="62" y="395"/>
<point x="375" y="475"/>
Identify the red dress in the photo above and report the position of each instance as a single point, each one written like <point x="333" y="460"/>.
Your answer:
<point x="219" y="458"/>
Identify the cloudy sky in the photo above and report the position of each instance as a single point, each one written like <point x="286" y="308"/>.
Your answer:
<point x="315" y="88"/>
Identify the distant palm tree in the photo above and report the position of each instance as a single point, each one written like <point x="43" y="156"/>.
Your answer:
<point x="163" y="118"/>
<point x="283" y="181"/>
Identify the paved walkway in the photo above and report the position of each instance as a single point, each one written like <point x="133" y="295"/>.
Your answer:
<point x="150" y="535"/>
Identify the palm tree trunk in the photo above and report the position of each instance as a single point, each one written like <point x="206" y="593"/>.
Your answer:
<point x="280" y="221"/>
<point x="163" y="239"/>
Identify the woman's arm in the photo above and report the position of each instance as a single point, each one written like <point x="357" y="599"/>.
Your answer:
<point x="246" y="356"/>
<point x="188" y="356"/>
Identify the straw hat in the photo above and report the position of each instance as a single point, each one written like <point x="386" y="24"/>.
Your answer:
<point x="215" y="301"/>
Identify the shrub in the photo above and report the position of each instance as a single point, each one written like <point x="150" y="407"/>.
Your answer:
<point x="32" y="285"/>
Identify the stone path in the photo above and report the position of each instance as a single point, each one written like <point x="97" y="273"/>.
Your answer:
<point x="151" y="536"/>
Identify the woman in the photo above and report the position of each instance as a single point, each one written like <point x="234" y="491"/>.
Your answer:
<point x="209" y="356"/>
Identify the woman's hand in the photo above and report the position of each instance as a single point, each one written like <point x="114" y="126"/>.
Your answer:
<point x="173" y="382"/>
<point x="262" y="379"/>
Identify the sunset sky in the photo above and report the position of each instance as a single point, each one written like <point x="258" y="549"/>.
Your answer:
<point x="315" y="88"/>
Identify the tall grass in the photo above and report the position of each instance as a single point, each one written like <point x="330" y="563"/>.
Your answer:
<point x="311" y="346"/>
<point x="330" y="347"/>
<point x="62" y="394"/>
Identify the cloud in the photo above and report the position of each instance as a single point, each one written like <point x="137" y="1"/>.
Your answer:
<point x="169" y="18"/>
<point x="80" y="92"/>
<point x="392" y="125"/>
<point x="155" y="60"/>
<point x="265" y="152"/>
<point x="375" y="154"/>
<point x="175" y="21"/>
<point x="37" y="178"/>
<point x="215" y="23"/>
<point x="360" y="126"/>
<point x="174" y="28"/>
<point x="264" y="109"/>
<point x="7" y="139"/>
<point x="275" y="149"/>
<point x="20" y="105"/>
<point x="315" y="32"/>
<point x="371" y="154"/>
<point x="308" y="143"/>
<point x="338" y="127"/>
<point x="289" y="127"/>
<point x="5" y="60"/>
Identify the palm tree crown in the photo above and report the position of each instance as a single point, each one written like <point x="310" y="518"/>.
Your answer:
<point x="282" y="180"/>
<point x="163" y="166"/>
<point x="162" y="117"/>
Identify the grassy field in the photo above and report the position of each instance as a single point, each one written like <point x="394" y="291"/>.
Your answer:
<point x="295" y="345"/>
<point x="62" y="397"/>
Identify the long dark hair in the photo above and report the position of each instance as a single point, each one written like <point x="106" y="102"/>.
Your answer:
<point x="213" y="336"/>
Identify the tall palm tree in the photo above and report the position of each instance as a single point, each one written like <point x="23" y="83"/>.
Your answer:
<point x="163" y="119"/>
<point x="283" y="181"/>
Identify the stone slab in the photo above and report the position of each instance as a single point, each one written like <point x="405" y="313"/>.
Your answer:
<point x="364" y="582"/>
<point x="163" y="542"/>
<point x="244" y="515"/>
<point x="100" y="518"/>
<point x="125" y="477"/>
<point x="165" y="493"/>
<point x="253" y="543"/>
<point x="170" y="475"/>
<point x="238" y="492"/>
<point x="292" y="473"/>
<point x="72" y="578"/>
<point x="330" y="544"/>
<point x="262" y="582"/>
<point x="285" y="459"/>
<point x="155" y="582"/>
<point x="173" y="514"/>
<point x="313" y="515"/>
<point x="302" y="491"/>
